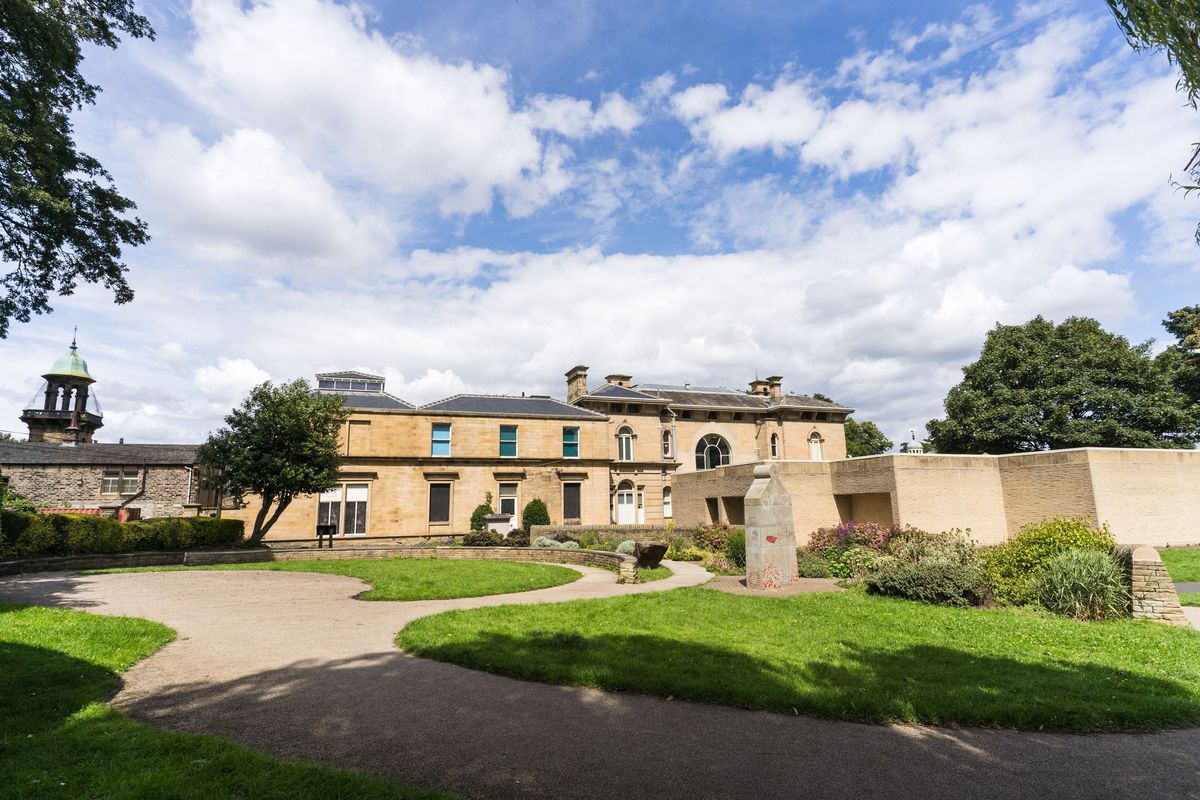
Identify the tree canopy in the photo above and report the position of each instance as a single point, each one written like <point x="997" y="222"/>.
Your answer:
<point x="62" y="219"/>
<point x="1184" y="355"/>
<point x="1042" y="386"/>
<point x="865" y="439"/>
<point x="281" y="442"/>
<point x="1171" y="27"/>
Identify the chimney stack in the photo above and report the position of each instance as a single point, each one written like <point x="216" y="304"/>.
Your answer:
<point x="577" y="385"/>
<point x="619" y="380"/>
<point x="760" y="387"/>
<point x="775" y="388"/>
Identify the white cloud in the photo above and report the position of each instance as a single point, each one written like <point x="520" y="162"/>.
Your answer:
<point x="782" y="117"/>
<point x="226" y="383"/>
<point x="577" y="119"/>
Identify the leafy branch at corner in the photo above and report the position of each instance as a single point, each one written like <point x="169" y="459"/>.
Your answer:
<point x="62" y="219"/>
<point x="1172" y="27"/>
<point x="281" y="442"/>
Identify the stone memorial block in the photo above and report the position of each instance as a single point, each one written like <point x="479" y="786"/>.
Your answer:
<point x="649" y="554"/>
<point x="770" y="533"/>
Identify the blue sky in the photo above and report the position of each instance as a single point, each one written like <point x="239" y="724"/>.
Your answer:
<point x="477" y="196"/>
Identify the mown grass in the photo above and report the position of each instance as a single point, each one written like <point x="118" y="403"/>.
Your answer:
<point x="58" y="739"/>
<point x="412" y="578"/>
<point x="1189" y="598"/>
<point x="1183" y="563"/>
<point x="645" y="575"/>
<point x="843" y="655"/>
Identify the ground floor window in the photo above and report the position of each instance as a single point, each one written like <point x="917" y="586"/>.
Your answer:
<point x="667" y="503"/>
<point x="119" y="481"/>
<point x="345" y="508"/>
<point x="508" y="501"/>
<point x="356" y="509"/>
<point x="439" y="502"/>
<point x="571" y="495"/>
<point x="329" y="508"/>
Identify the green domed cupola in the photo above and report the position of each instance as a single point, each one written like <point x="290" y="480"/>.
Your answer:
<point x="70" y="365"/>
<point x="69" y="411"/>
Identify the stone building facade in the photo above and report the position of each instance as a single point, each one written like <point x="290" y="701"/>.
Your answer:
<point x="152" y="480"/>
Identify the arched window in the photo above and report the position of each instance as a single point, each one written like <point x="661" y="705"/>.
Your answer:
<point x="626" y="512"/>
<point x="774" y="445"/>
<point x="814" y="447"/>
<point x="667" y="502"/>
<point x="711" y="452"/>
<point x="625" y="444"/>
<point x="668" y="451"/>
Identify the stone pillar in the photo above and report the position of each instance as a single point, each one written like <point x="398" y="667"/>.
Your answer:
<point x="770" y="533"/>
<point x="1153" y="591"/>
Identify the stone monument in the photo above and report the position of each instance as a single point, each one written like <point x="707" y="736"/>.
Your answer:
<point x="770" y="533"/>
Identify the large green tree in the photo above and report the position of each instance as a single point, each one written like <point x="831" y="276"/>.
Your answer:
<point x="1171" y="27"/>
<point x="1042" y="386"/>
<point x="865" y="439"/>
<point x="62" y="219"/>
<point x="281" y="442"/>
<point x="1183" y="357"/>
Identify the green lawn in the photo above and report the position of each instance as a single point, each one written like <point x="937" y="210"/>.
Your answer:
<point x="414" y="578"/>
<point x="844" y="655"/>
<point x="58" y="739"/>
<point x="654" y="574"/>
<point x="1189" y="598"/>
<point x="1183" y="563"/>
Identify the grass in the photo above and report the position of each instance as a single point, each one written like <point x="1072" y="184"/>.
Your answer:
<point x="842" y="655"/>
<point x="1189" y="598"/>
<point x="656" y="574"/>
<point x="413" y="578"/>
<point x="1183" y="563"/>
<point x="58" y="739"/>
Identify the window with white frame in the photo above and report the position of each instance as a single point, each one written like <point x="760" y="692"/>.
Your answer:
<point x="625" y="444"/>
<point x="329" y="508"/>
<point x="814" y="446"/>
<point x="356" y="509"/>
<point x="774" y="445"/>
<point x="570" y="442"/>
<point x="508" y="441"/>
<point x="666" y="441"/>
<point x="711" y="452"/>
<point x="440" y="445"/>
<point x="508" y="501"/>
<point x="667" y="502"/>
<point x="119" y="481"/>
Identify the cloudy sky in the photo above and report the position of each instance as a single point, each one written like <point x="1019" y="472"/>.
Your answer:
<point x="476" y="196"/>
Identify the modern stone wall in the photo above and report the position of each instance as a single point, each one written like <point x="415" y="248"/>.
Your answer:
<point x="165" y="494"/>
<point x="637" y="533"/>
<point x="1153" y="591"/>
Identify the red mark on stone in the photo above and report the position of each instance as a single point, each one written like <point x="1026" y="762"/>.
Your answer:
<point x="771" y="539"/>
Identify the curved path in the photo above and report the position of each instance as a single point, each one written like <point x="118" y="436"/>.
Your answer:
<point x="291" y="664"/>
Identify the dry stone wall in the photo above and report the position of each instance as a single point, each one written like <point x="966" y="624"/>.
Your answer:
<point x="1153" y="591"/>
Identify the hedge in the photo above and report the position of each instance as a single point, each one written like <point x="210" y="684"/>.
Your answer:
<point x="23" y="534"/>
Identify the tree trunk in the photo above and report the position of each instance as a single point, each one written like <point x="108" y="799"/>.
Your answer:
<point x="283" y="504"/>
<point x="258" y="531"/>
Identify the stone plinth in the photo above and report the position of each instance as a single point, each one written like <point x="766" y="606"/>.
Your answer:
<point x="770" y="533"/>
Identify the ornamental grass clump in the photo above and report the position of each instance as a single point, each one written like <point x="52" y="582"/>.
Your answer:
<point x="939" y="568"/>
<point x="1083" y="584"/>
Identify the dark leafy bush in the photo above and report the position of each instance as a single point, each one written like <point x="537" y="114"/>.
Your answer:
<point x="483" y="538"/>
<point x="940" y="568"/>
<point x="535" y="513"/>
<point x="15" y="502"/>
<point x="735" y="548"/>
<point x="811" y="564"/>
<point x="1012" y="568"/>
<point x="930" y="581"/>
<point x="517" y="538"/>
<point x="71" y="534"/>
<point x="563" y="538"/>
<point x="849" y="534"/>
<point x="478" y="516"/>
<point x="1084" y="585"/>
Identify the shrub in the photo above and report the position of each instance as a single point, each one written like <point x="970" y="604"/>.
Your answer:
<point x="626" y="547"/>
<point x="24" y="534"/>
<point x="516" y="538"/>
<point x="1012" y="568"/>
<point x="735" y="548"/>
<point x="483" y="539"/>
<point x="535" y="513"/>
<point x="478" y="521"/>
<point x="544" y="541"/>
<point x="1084" y="585"/>
<point x="568" y="545"/>
<point x="930" y="581"/>
<point x="711" y="537"/>
<point x="589" y="540"/>
<point x="564" y="537"/>
<point x="810" y="564"/>
<point x="91" y="534"/>
<point x="15" y="502"/>
<point x="849" y="534"/>
<point x="940" y="568"/>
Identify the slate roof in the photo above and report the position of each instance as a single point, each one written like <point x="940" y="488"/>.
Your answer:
<point x="610" y="391"/>
<point x="508" y="405"/>
<point x="97" y="454"/>
<point x="351" y="375"/>
<point x="372" y="400"/>
<point x="805" y="401"/>
<point x="720" y="397"/>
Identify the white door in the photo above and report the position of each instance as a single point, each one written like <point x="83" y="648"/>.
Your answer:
<point x="625" y="507"/>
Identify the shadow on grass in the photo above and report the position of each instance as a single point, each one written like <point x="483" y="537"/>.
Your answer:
<point x="490" y="736"/>
<point x="44" y="687"/>
<point x="915" y="684"/>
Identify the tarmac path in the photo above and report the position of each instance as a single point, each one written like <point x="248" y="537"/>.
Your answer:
<point x="291" y="664"/>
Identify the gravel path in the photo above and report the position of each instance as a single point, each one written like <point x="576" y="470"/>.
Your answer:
<point x="291" y="664"/>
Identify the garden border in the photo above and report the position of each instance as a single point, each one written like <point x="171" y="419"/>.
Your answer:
<point x="625" y="566"/>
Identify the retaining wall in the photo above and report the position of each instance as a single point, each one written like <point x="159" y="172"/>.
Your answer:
<point x="1153" y="591"/>
<point x="637" y="533"/>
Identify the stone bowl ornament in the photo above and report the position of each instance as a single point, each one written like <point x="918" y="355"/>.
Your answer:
<point x="649" y="554"/>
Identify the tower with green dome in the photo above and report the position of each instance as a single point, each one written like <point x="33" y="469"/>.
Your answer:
<point x="68" y="411"/>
